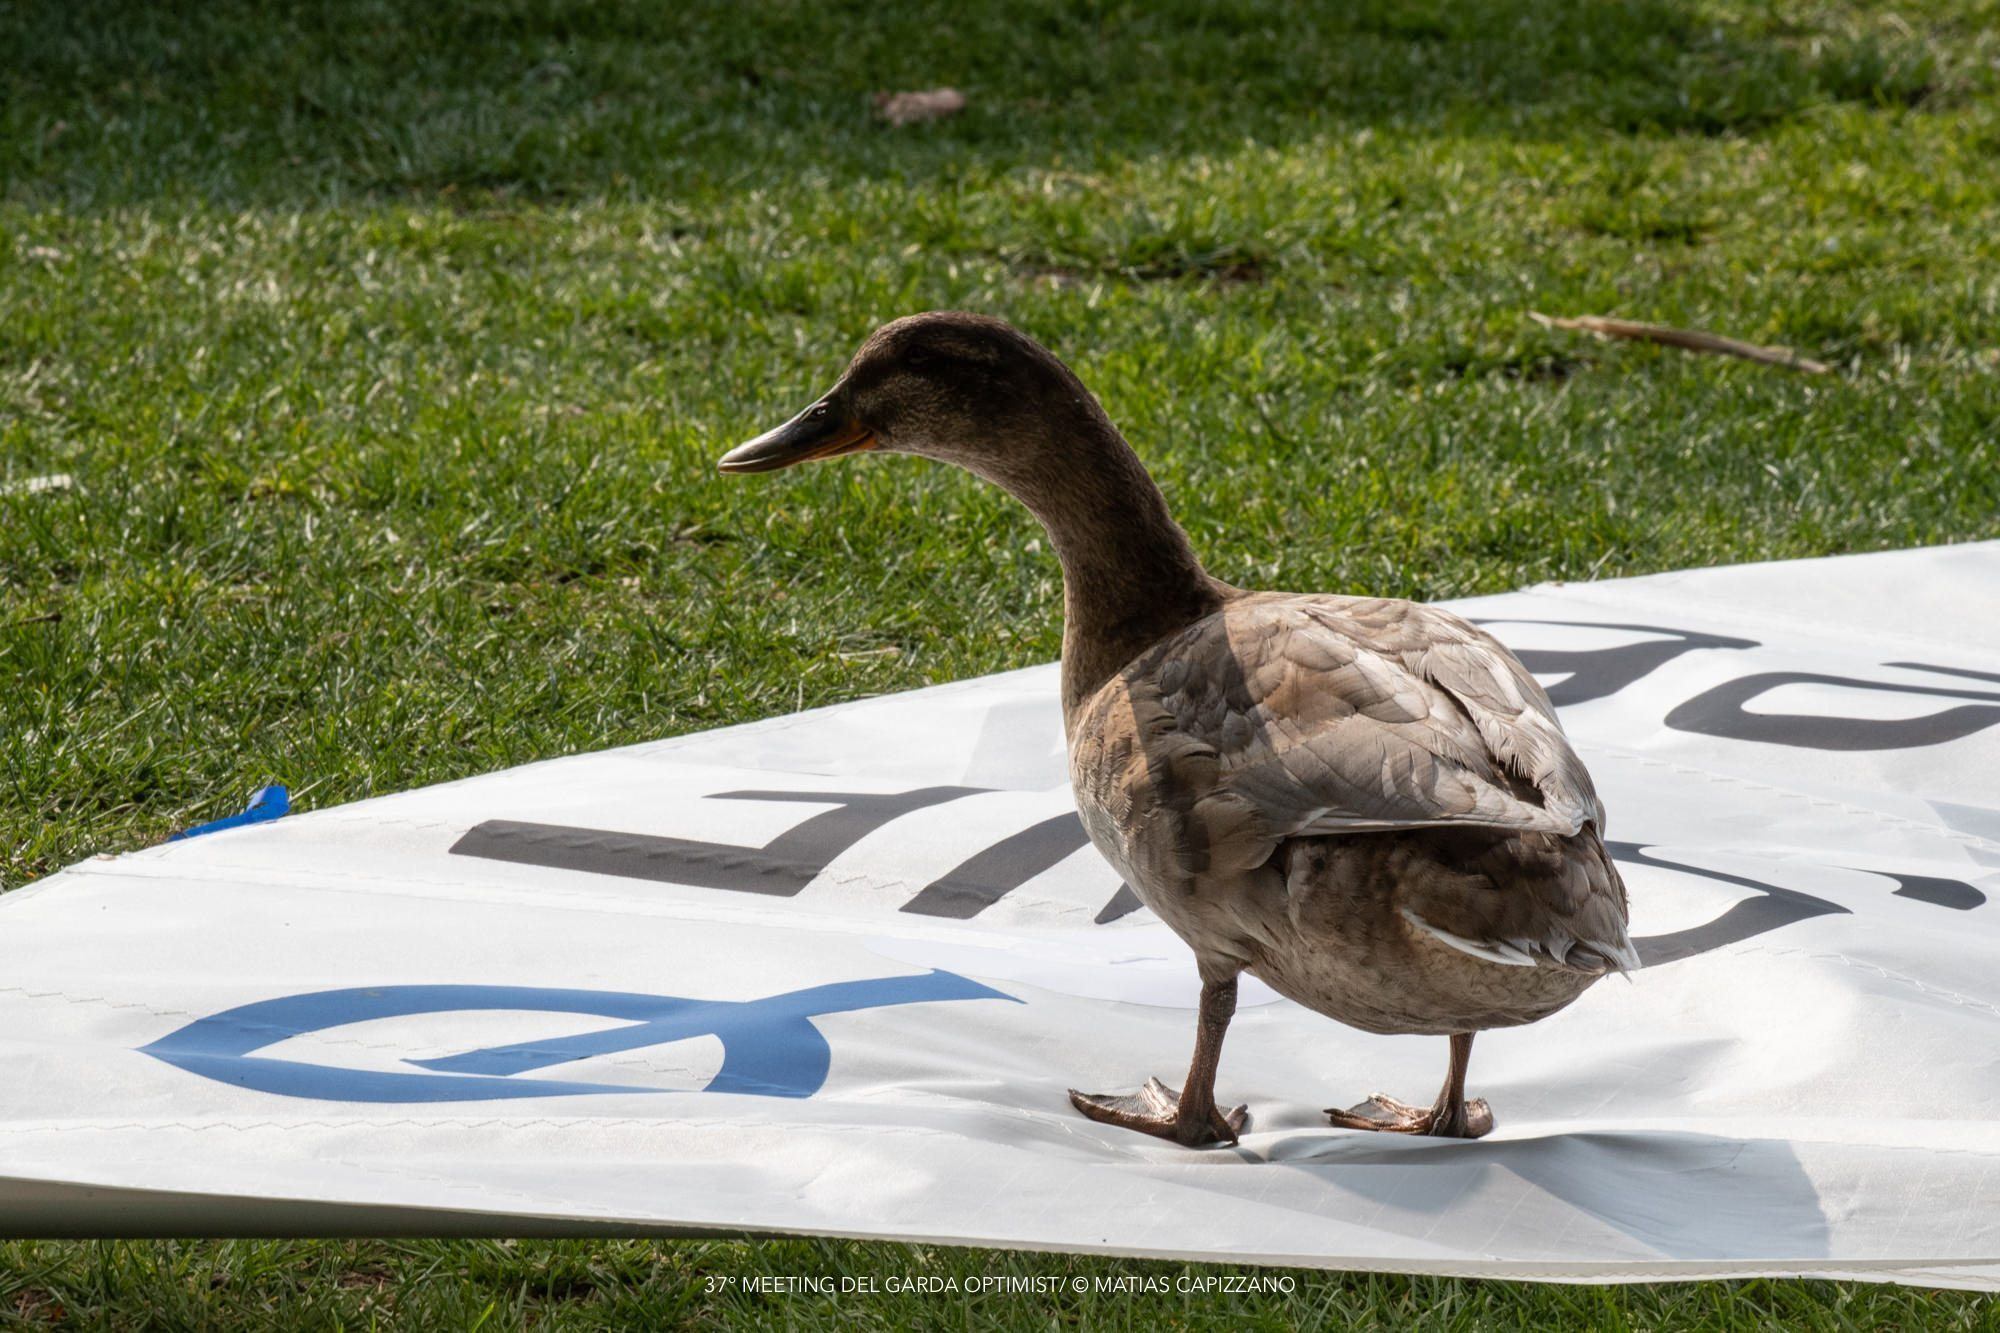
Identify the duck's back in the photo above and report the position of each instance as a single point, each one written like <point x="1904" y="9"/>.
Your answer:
<point x="1371" y="746"/>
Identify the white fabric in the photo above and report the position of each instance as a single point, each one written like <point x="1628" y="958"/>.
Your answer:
<point x="1808" y="1083"/>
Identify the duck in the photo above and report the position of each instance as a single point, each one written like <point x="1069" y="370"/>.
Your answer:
<point x="1366" y="803"/>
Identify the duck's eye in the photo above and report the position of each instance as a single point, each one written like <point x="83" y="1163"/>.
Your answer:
<point x="817" y="413"/>
<point x="918" y="357"/>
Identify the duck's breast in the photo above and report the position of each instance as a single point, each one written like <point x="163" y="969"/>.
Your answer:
<point x="1143" y="793"/>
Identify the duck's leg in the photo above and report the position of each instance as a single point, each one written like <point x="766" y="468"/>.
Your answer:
<point x="1189" y="1116"/>
<point x="1450" y="1117"/>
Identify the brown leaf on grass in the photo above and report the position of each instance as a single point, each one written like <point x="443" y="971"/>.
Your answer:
<point x="910" y="108"/>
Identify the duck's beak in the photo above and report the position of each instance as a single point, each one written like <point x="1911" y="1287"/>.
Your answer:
<point x="824" y="430"/>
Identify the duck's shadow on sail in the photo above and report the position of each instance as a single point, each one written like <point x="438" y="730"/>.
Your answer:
<point x="1672" y="1195"/>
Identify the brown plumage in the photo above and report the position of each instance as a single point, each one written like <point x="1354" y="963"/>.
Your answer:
<point x="1367" y="803"/>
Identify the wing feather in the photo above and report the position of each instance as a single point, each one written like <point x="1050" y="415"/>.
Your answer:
<point x="1335" y="715"/>
<point x="1288" y="717"/>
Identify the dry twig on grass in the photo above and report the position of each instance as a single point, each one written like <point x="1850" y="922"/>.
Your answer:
<point x="909" y="108"/>
<point x="1689" y="340"/>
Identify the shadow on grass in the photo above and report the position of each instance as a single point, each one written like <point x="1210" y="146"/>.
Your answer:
<point x="111" y="101"/>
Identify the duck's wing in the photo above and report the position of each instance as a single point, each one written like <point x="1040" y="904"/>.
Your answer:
<point x="1292" y="716"/>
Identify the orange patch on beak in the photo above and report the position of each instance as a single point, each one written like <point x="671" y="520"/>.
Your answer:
<point x="803" y="439"/>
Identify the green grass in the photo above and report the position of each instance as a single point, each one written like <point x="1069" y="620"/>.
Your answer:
<point x="389" y="347"/>
<point x="645" y="1285"/>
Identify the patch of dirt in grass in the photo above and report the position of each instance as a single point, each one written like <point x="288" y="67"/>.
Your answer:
<point x="1526" y="367"/>
<point x="36" y="1305"/>
<point x="1662" y="227"/>
<point x="1227" y="266"/>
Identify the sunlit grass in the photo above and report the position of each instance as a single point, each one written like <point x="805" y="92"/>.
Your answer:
<point x="389" y="348"/>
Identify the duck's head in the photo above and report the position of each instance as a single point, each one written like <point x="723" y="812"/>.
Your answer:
<point x="963" y="388"/>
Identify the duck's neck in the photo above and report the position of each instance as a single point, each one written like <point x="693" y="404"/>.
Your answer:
<point x="1130" y="578"/>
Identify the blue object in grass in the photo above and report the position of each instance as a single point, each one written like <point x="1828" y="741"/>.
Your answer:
<point x="266" y="804"/>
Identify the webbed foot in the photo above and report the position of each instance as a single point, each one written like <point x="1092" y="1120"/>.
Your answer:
<point x="1473" y="1120"/>
<point x="1156" y="1109"/>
